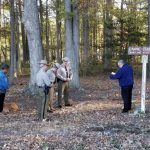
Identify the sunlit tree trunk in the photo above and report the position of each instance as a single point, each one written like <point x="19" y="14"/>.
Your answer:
<point x="12" y="46"/>
<point x="72" y="39"/>
<point x="31" y="22"/>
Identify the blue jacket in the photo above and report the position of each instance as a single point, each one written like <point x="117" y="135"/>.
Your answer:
<point x="4" y="83"/>
<point x="124" y="75"/>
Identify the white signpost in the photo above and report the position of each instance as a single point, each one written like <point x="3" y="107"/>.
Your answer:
<point x="144" y="51"/>
<point x="143" y="87"/>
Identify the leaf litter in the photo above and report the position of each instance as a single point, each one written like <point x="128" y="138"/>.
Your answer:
<point x="94" y="122"/>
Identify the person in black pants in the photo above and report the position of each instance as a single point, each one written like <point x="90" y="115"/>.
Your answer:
<point x="126" y="93"/>
<point x="126" y="81"/>
<point x="4" y="84"/>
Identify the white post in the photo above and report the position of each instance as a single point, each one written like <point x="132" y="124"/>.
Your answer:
<point x="143" y="88"/>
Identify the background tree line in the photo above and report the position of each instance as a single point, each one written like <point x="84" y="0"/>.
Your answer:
<point x="93" y="33"/>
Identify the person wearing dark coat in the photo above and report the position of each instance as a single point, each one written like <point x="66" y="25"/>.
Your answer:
<point x="126" y="81"/>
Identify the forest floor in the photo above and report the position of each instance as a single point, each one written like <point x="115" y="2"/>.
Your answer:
<point x="94" y="122"/>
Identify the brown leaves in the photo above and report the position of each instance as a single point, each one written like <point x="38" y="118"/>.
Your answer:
<point x="93" y="122"/>
<point x="13" y="106"/>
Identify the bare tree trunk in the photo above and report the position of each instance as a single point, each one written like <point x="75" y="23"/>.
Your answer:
<point x="58" y="30"/>
<point x="121" y="28"/>
<point x="108" y="36"/>
<point x="85" y="36"/>
<point x="12" y="47"/>
<point x="23" y="36"/>
<point x="148" y="37"/>
<point x="31" y="22"/>
<point x="47" y="33"/>
<point x="0" y="31"/>
<point x="18" y="42"/>
<point x="72" y="39"/>
<point x="75" y="81"/>
<point x="41" y="24"/>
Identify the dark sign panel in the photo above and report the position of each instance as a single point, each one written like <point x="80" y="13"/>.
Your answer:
<point x="139" y="50"/>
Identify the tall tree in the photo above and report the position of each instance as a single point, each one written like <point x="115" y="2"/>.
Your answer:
<point x="58" y="29"/>
<point x="12" y="47"/>
<point x="108" y="36"/>
<point x="149" y="36"/>
<point x="85" y="21"/>
<point x="23" y="36"/>
<point x="121" y="26"/>
<point x="72" y="38"/>
<point x="31" y="22"/>
<point x="47" y="33"/>
<point x="0" y="28"/>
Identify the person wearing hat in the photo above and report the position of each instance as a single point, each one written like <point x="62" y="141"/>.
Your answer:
<point x="4" y="84"/>
<point x="64" y="75"/>
<point x="43" y="82"/>
<point x="52" y="74"/>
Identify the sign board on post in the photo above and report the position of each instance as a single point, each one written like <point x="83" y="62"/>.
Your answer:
<point x="139" y="50"/>
<point x="144" y="51"/>
<point x="135" y="50"/>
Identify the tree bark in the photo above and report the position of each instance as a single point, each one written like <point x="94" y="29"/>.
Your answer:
<point x="72" y="39"/>
<point x="108" y="36"/>
<point x="85" y="36"/>
<point x="47" y="33"/>
<point x="12" y="46"/>
<point x="31" y="22"/>
<point x="0" y="31"/>
<point x="58" y="30"/>
<point x="23" y="36"/>
<point x="148" y="37"/>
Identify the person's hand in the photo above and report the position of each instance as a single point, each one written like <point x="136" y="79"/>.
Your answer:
<point x="65" y="79"/>
<point x="113" y="73"/>
<point x="69" y="79"/>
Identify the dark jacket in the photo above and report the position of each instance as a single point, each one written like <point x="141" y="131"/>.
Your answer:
<point x="124" y="75"/>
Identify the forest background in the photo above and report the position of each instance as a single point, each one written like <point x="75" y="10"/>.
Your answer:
<point x="94" y="34"/>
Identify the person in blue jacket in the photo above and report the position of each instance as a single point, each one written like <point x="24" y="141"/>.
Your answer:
<point x="126" y="81"/>
<point x="4" y="84"/>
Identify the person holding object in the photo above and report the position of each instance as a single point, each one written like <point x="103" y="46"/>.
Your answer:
<point x="126" y="81"/>
<point x="52" y="74"/>
<point x="43" y="82"/>
<point x="64" y="75"/>
<point x="4" y="84"/>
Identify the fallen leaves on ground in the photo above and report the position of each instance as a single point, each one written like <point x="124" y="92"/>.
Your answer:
<point x="94" y="122"/>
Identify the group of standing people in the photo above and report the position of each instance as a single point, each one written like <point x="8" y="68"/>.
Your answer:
<point x="61" y="74"/>
<point x="46" y="79"/>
